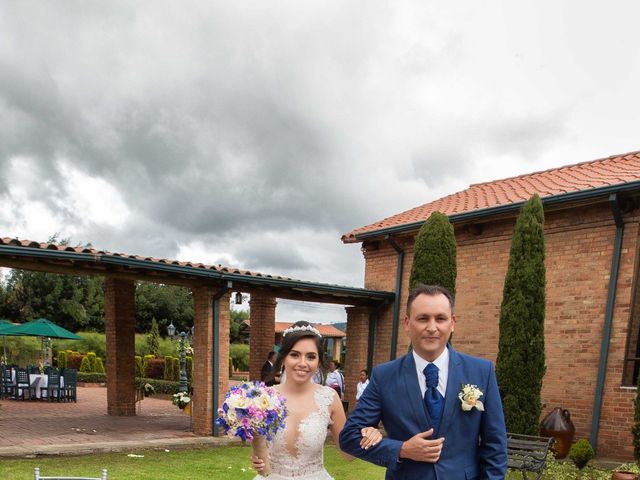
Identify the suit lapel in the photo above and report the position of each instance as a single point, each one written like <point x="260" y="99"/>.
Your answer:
<point x="451" y="400"/>
<point x="413" y="393"/>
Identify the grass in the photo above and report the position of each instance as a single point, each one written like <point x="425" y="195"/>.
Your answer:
<point x="221" y="463"/>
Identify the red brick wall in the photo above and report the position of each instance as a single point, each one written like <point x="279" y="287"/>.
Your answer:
<point x="119" y="305"/>
<point x="263" y="326"/>
<point x="579" y="246"/>
<point x="357" y="347"/>
<point x="202" y="411"/>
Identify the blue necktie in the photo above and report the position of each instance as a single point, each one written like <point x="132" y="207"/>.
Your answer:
<point x="433" y="399"/>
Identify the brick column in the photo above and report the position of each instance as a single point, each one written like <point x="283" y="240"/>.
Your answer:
<point x="263" y="326"/>
<point x="204" y="334"/>
<point x="356" y="349"/>
<point x="119" y="306"/>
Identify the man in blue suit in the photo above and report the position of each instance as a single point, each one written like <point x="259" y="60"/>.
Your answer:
<point x="441" y="409"/>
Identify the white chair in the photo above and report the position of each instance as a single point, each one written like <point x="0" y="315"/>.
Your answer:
<point x="38" y="477"/>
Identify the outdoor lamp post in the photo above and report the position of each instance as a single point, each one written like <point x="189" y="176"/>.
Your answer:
<point x="183" y="336"/>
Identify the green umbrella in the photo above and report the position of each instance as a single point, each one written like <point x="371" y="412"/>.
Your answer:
<point x="6" y="327"/>
<point x="42" y="327"/>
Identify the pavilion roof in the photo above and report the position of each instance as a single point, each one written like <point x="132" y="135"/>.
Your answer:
<point x="50" y="257"/>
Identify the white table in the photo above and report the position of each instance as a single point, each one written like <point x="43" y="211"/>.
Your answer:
<point x="41" y="380"/>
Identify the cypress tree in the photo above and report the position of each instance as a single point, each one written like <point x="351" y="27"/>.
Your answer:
<point x="153" y="339"/>
<point x="434" y="254"/>
<point x="85" y="365"/>
<point x="520" y="366"/>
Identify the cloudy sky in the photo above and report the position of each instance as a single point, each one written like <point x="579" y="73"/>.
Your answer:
<point x="254" y="134"/>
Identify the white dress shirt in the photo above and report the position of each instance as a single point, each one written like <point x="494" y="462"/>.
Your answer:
<point x="442" y="362"/>
<point x="360" y="388"/>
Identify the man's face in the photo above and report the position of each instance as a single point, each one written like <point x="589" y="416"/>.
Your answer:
<point x="332" y="366"/>
<point x="429" y="324"/>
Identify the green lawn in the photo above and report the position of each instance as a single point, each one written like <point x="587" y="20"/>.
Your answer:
<point x="220" y="463"/>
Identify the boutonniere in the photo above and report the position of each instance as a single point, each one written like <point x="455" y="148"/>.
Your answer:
<point x="469" y="396"/>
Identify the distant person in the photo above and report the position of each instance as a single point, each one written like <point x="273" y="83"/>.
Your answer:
<point x="318" y="377"/>
<point x="362" y="384"/>
<point x="267" y="368"/>
<point x="335" y="379"/>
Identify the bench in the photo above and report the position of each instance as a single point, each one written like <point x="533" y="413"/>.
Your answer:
<point x="528" y="453"/>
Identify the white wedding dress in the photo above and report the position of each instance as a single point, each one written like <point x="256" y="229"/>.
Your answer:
<point x="307" y="442"/>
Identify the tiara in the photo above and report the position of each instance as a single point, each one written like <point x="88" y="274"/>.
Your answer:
<point x="301" y="328"/>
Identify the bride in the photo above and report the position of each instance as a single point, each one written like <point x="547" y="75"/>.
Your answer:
<point x="296" y="451"/>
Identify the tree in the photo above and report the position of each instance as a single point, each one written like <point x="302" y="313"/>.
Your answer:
<point x="169" y="303"/>
<point x="520" y="365"/>
<point x="434" y="255"/>
<point x="153" y="339"/>
<point x="237" y="317"/>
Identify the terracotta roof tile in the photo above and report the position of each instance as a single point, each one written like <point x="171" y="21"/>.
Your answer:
<point x="613" y="170"/>
<point x="92" y="251"/>
<point x="325" y="330"/>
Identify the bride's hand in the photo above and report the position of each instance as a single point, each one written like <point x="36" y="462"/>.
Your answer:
<point x="370" y="437"/>
<point x="257" y="464"/>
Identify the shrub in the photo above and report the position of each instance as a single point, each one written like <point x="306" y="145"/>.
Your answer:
<point x="62" y="359"/>
<point x="239" y="353"/>
<point x="74" y="360"/>
<point x="176" y="369"/>
<point x="581" y="452"/>
<point x="168" y="368"/>
<point x="155" y="368"/>
<point x="22" y="350"/>
<point x="166" y="346"/>
<point x="520" y="365"/>
<point x="145" y="361"/>
<point x="90" y="342"/>
<point x="434" y="256"/>
<point x="139" y="369"/>
<point x="159" y="386"/>
<point x="153" y="338"/>
<point x="189" y="367"/>
<point x="98" y="366"/>
<point x="92" y="377"/>
<point x="85" y="365"/>
<point x="92" y="361"/>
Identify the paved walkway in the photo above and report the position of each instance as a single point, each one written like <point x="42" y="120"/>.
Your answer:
<point x="37" y="428"/>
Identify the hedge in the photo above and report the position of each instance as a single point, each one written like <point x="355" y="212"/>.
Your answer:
<point x="155" y="368"/>
<point x="160" y="386"/>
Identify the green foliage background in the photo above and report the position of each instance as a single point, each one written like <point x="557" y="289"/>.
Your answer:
<point x="520" y="365"/>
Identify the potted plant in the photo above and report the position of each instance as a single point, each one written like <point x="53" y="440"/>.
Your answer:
<point x="182" y="400"/>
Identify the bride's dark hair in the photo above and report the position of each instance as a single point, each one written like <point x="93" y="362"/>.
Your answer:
<point x="290" y="339"/>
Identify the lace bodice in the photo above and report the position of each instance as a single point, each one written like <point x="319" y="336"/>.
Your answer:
<point x="307" y="463"/>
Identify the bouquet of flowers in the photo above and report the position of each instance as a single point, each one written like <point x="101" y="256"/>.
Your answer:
<point x="180" y="399"/>
<point x="254" y="412"/>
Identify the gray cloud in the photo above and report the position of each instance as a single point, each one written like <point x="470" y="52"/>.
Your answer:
<point x="260" y="133"/>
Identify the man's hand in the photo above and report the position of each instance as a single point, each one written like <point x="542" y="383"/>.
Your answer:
<point x="420" y="449"/>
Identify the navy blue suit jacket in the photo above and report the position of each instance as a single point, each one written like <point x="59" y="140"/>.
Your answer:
<point x="475" y="445"/>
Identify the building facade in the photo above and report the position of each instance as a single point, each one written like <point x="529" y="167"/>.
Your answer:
<point x="592" y="294"/>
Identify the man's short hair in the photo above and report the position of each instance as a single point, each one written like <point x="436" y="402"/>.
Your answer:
<point x="431" y="290"/>
<point x="271" y="354"/>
